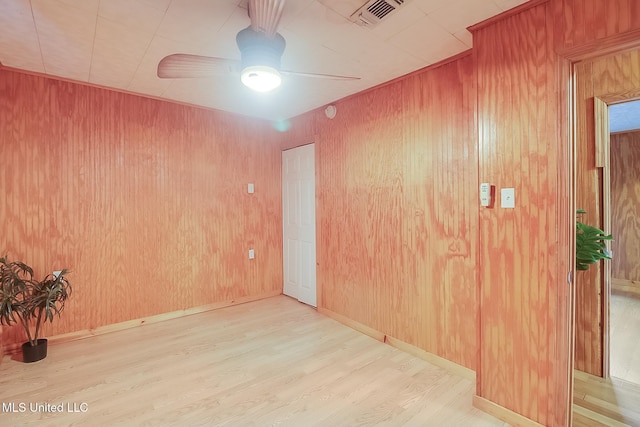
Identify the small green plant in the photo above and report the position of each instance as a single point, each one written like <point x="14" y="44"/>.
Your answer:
<point x="590" y="244"/>
<point x="27" y="301"/>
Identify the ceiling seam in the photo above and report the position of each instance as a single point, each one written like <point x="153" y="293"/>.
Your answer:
<point x="93" y="44"/>
<point x="35" y="26"/>
<point x="168" y="86"/>
<point x="146" y="50"/>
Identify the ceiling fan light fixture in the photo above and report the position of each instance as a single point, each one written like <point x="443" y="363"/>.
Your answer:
<point x="260" y="78"/>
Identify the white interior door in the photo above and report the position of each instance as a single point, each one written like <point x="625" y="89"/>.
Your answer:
<point x="299" y="223"/>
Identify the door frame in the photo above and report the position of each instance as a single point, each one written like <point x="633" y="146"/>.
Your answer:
<point x="603" y="160"/>
<point x="603" y="155"/>
<point x="567" y="172"/>
<point x="595" y="50"/>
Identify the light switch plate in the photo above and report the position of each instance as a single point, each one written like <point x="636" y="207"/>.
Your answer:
<point x="250" y="188"/>
<point x="508" y="198"/>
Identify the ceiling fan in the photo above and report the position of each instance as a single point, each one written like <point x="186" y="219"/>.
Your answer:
<point x="261" y="48"/>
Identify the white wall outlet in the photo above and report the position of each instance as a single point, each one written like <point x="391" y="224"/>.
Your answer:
<point x="508" y="198"/>
<point x="252" y="254"/>
<point x="250" y="188"/>
<point x="56" y="274"/>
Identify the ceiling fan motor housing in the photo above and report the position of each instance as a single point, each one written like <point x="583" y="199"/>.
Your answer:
<point x="258" y="49"/>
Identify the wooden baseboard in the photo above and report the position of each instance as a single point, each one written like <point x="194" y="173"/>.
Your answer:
<point x="450" y="366"/>
<point x="512" y="418"/>
<point x="353" y="324"/>
<point x="401" y="345"/>
<point x="625" y="287"/>
<point x="87" y="333"/>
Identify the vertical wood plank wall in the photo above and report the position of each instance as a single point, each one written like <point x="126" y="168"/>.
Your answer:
<point x="524" y="252"/>
<point x="581" y="22"/>
<point x="397" y="210"/>
<point x="597" y="78"/>
<point x="625" y="207"/>
<point x="144" y="201"/>
<point x="151" y="207"/>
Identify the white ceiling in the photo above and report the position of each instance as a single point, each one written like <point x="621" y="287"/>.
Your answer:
<point x="118" y="44"/>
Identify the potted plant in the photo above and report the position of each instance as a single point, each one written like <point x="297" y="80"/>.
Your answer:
<point x="31" y="303"/>
<point x="590" y="244"/>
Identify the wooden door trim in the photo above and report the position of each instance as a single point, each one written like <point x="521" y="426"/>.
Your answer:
<point x="566" y="209"/>
<point x="603" y="156"/>
<point x="620" y="97"/>
<point x="612" y="45"/>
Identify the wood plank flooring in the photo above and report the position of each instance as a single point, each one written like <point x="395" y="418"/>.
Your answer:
<point x="605" y="402"/>
<point x="625" y="337"/>
<point x="615" y="401"/>
<point x="269" y="362"/>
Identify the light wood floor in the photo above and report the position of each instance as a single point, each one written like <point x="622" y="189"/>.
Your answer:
<point x="605" y="402"/>
<point x="614" y="401"/>
<point x="625" y="337"/>
<point x="270" y="362"/>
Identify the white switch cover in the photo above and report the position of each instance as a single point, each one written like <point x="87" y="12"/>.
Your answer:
<point x="508" y="198"/>
<point x="250" y="188"/>
<point x="252" y="254"/>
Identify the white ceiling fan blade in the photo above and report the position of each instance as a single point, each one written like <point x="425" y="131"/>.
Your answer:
<point x="265" y="15"/>
<point x="184" y="66"/>
<point x="318" y="76"/>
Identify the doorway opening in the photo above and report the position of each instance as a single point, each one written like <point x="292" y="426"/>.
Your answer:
<point x="623" y="197"/>
<point x="600" y="81"/>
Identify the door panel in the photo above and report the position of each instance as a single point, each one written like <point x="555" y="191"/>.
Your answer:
<point x="299" y="223"/>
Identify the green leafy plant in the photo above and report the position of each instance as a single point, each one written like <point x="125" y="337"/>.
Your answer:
<point x="30" y="302"/>
<point x="590" y="244"/>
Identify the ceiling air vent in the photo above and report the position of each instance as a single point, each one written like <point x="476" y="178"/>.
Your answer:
<point x="374" y="11"/>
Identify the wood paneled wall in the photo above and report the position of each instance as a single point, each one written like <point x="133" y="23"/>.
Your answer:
<point x="604" y="77"/>
<point x="150" y="203"/>
<point x="144" y="201"/>
<point x="583" y="22"/>
<point x="625" y="206"/>
<point x="397" y="209"/>
<point x="524" y="252"/>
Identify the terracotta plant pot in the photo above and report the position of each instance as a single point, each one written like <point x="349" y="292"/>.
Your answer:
<point x="33" y="353"/>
